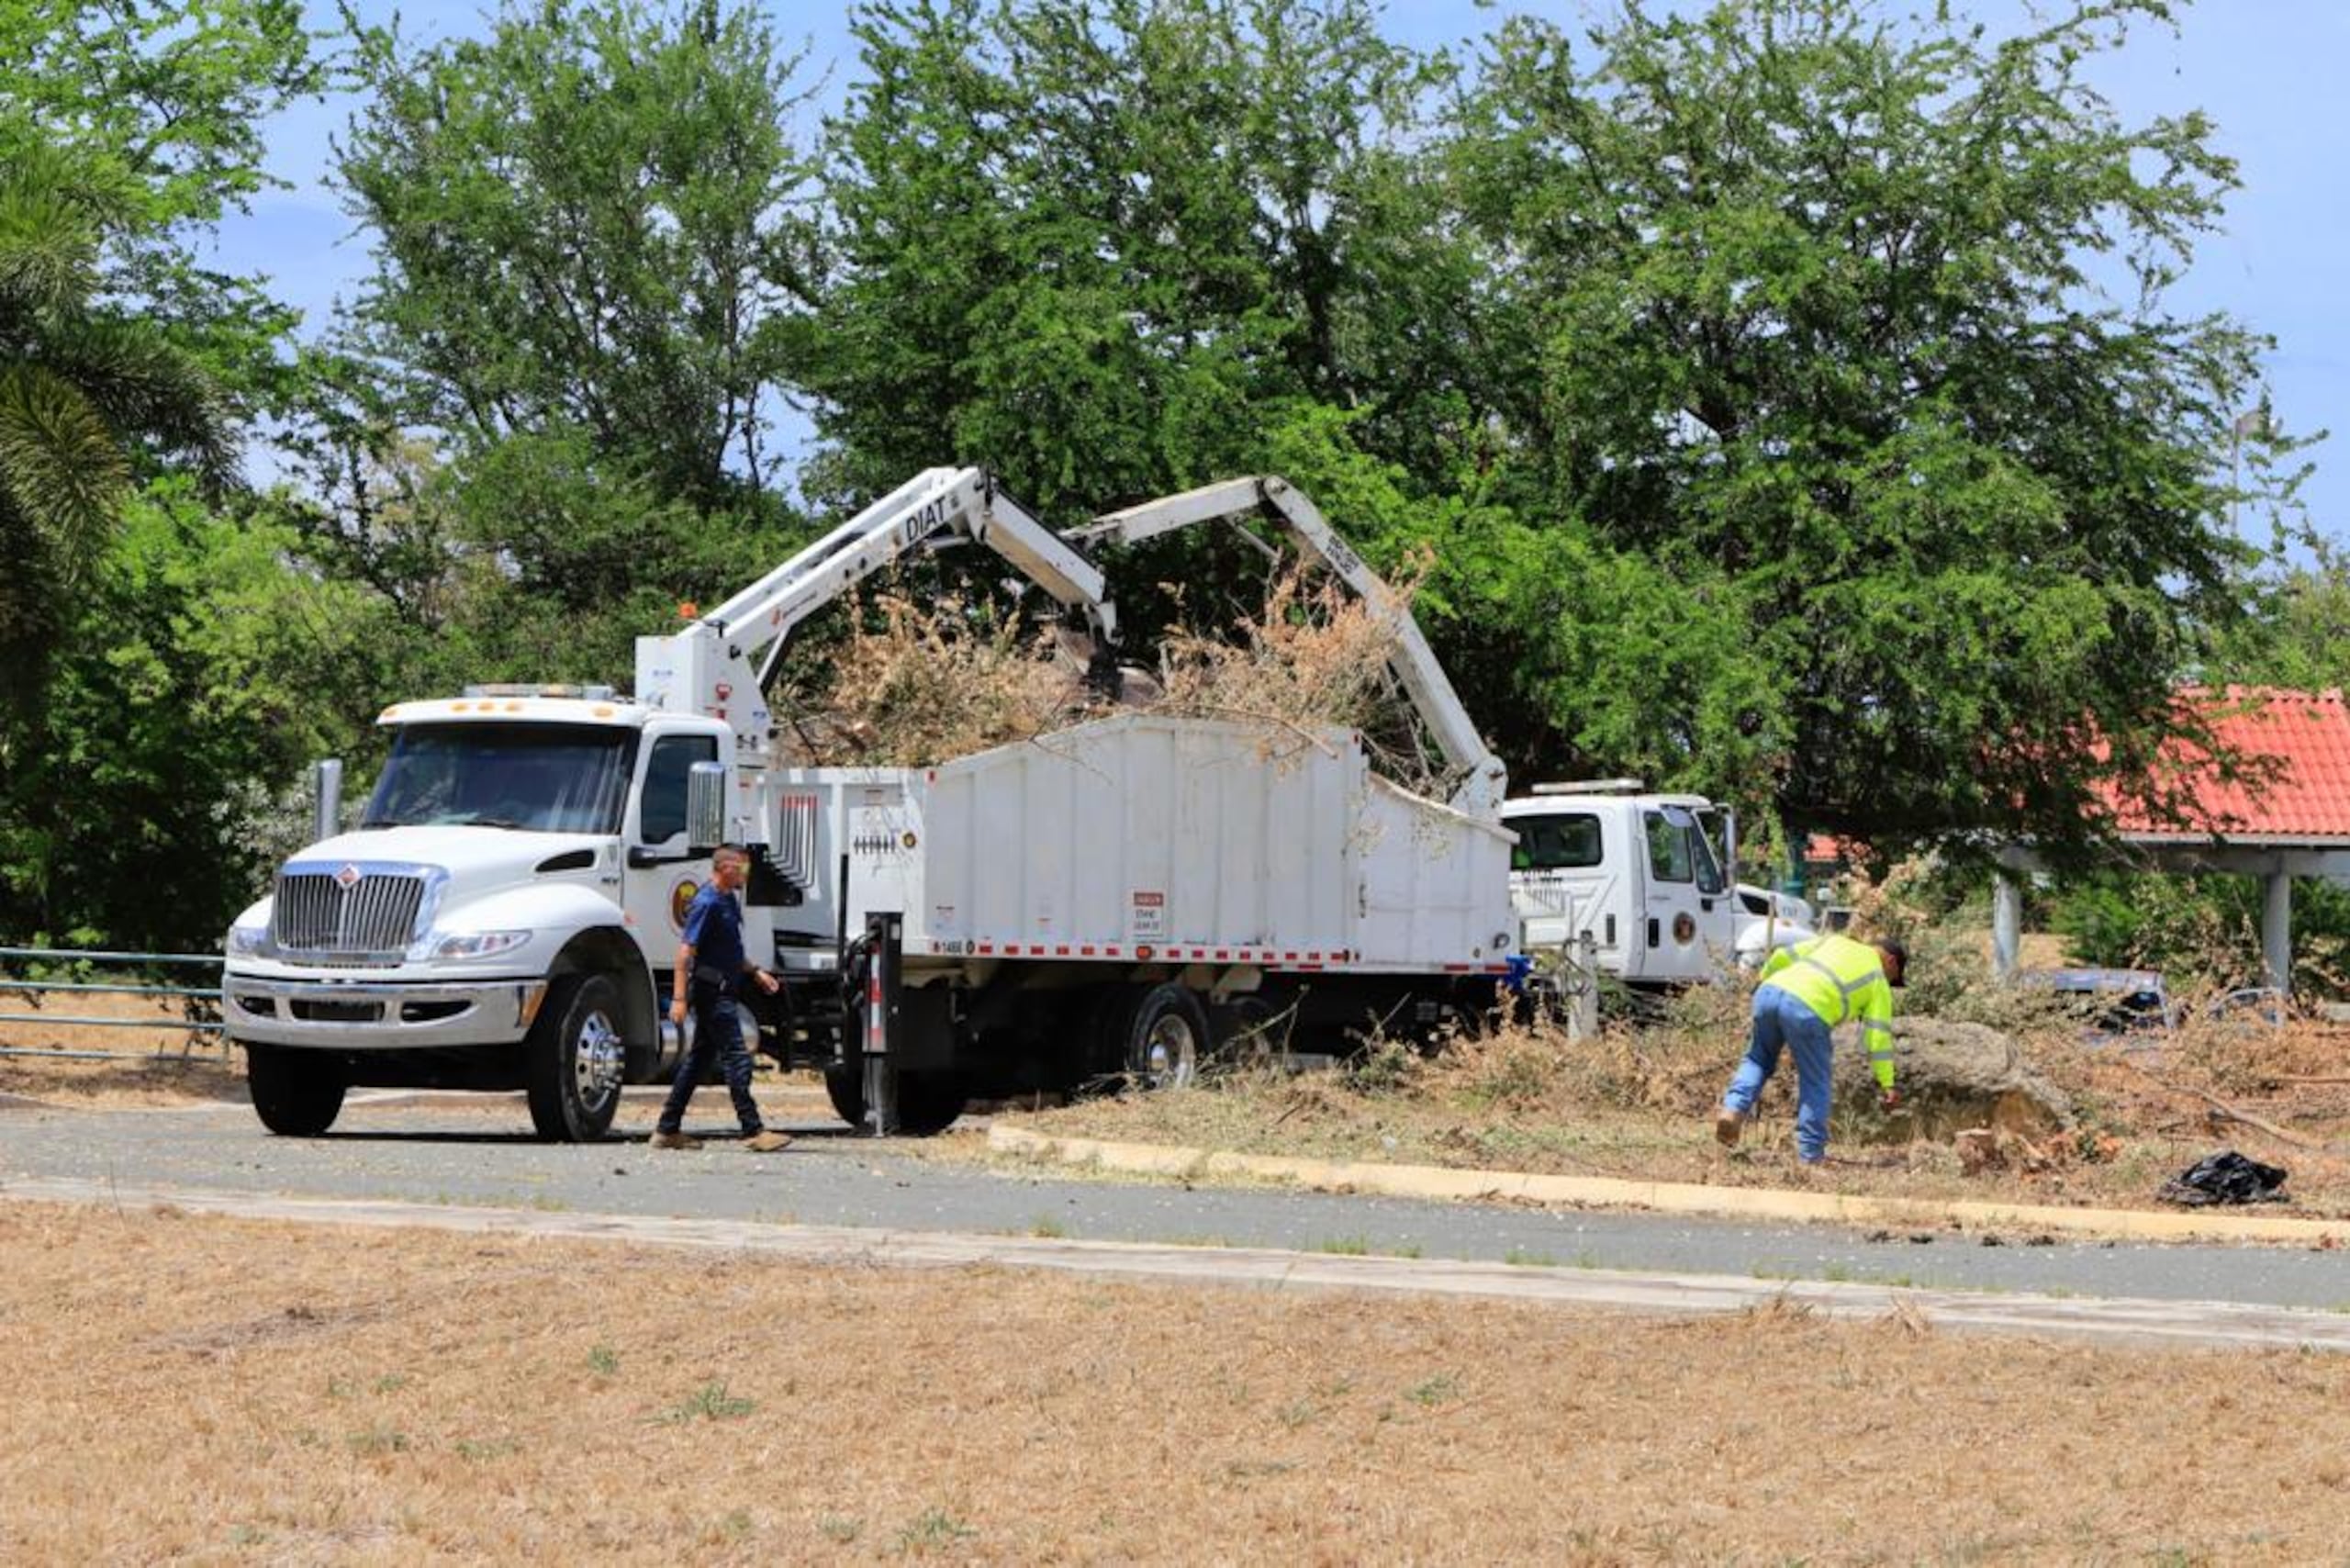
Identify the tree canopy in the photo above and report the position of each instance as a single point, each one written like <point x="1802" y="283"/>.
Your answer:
<point x="1782" y="399"/>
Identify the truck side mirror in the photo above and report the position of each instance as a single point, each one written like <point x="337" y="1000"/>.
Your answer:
<point x="705" y="805"/>
<point x="327" y="806"/>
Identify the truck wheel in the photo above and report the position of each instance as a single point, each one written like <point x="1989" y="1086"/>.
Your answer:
<point x="576" y="1059"/>
<point x="296" y="1093"/>
<point x="928" y="1101"/>
<point x="1165" y="1038"/>
<point x="844" y="1086"/>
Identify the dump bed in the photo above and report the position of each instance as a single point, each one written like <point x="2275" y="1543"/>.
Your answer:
<point x="1143" y="837"/>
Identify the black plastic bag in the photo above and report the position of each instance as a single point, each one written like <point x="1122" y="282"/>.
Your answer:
<point x="2226" y="1177"/>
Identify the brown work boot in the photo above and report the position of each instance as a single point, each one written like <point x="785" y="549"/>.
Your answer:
<point x="673" y="1140"/>
<point x="767" y="1141"/>
<point x="1728" y="1125"/>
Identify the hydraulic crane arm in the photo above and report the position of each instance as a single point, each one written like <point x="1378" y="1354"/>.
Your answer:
<point x="1484" y="780"/>
<point x="720" y="664"/>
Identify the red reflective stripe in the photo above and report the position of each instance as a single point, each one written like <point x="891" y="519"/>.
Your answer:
<point x="1086" y="951"/>
<point x="1061" y="951"/>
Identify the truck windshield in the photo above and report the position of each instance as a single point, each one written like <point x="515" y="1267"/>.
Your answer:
<point x="537" y="777"/>
<point x="1563" y="843"/>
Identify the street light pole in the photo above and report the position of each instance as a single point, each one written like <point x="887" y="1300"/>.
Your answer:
<point x="2251" y="421"/>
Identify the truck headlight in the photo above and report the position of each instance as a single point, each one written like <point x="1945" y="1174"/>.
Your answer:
<point x="248" y="941"/>
<point x="473" y="944"/>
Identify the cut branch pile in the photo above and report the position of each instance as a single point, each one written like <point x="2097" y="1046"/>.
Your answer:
<point x="915" y="684"/>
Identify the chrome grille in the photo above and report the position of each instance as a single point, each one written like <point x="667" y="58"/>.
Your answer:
<point x="316" y="914"/>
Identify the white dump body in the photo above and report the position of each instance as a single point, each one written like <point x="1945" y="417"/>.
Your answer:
<point x="1140" y="838"/>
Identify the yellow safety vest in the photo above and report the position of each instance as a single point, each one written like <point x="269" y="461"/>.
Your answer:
<point x="1840" y="980"/>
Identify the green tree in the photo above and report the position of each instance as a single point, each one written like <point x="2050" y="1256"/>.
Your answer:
<point x="144" y="808"/>
<point x="127" y="369"/>
<point x="161" y="106"/>
<point x="1839" y="345"/>
<point x="591" y="227"/>
<point x="85" y="391"/>
<point x="2298" y="634"/>
<point x="1107" y="247"/>
<point x="593" y="267"/>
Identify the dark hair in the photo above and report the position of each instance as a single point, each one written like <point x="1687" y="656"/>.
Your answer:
<point x="1897" y="951"/>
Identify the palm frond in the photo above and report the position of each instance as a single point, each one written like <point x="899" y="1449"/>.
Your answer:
<point x="62" y="467"/>
<point x="145" y="388"/>
<point x="49" y="241"/>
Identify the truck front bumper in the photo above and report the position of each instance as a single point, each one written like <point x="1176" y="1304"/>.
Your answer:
<point x="368" y="1016"/>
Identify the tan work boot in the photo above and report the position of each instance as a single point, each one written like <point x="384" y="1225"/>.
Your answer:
<point x="673" y="1140"/>
<point x="1728" y="1125"/>
<point x="767" y="1141"/>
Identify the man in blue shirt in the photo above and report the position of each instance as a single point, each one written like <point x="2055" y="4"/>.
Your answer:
<point x="710" y="965"/>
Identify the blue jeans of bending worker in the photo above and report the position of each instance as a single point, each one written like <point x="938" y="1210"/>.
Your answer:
<point x="717" y="1031"/>
<point x="1782" y="1021"/>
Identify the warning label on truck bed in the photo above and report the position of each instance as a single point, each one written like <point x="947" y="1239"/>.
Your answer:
<point x="1149" y="917"/>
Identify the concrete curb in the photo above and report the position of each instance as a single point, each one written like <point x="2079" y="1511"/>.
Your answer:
<point x="2111" y="1321"/>
<point x="1435" y="1181"/>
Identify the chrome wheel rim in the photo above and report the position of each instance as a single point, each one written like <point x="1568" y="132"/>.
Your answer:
<point x="1169" y="1053"/>
<point x="596" y="1058"/>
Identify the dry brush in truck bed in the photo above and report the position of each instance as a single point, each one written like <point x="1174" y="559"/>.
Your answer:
<point x="916" y="683"/>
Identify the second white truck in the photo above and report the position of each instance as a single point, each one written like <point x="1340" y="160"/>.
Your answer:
<point x="1647" y="879"/>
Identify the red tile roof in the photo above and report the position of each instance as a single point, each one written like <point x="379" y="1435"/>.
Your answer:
<point x="2301" y="793"/>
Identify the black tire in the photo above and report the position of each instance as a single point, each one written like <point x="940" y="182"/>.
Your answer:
<point x="844" y="1086"/>
<point x="296" y="1093"/>
<point x="577" y="1059"/>
<point x="1166" y="1038"/>
<point x="928" y="1101"/>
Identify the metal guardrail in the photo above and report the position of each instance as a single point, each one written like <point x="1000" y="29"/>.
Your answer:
<point x="189" y="1026"/>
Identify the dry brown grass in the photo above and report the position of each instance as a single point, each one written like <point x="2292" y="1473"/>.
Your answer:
<point x="173" y="1065"/>
<point x="1637" y="1103"/>
<point x="186" y="1389"/>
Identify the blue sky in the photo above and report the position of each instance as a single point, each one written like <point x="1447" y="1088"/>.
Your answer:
<point x="2270" y="72"/>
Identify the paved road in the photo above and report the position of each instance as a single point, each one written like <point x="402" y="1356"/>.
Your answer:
<point x="447" y="1154"/>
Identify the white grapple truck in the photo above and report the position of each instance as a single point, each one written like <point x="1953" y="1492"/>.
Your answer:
<point x="1118" y="898"/>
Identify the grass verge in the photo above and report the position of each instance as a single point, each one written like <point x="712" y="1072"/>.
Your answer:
<point x="225" y="1390"/>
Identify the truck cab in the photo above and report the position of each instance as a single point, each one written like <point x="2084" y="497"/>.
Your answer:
<point x="499" y="917"/>
<point x="1646" y="877"/>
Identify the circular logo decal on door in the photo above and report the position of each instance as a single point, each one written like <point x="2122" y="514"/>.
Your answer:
<point x="681" y="897"/>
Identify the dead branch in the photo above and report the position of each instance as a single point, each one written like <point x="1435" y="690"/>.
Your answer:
<point x="1291" y="725"/>
<point x="2230" y="1112"/>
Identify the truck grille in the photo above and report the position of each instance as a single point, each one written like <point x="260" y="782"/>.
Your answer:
<point x="317" y="912"/>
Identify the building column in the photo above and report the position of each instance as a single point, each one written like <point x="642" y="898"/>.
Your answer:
<point x="2006" y="925"/>
<point x="2277" y="928"/>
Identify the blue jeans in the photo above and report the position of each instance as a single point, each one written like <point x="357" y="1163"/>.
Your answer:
<point x="1781" y="1020"/>
<point x="718" y="1031"/>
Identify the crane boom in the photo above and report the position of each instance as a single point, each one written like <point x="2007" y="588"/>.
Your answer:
<point x="1485" y="779"/>
<point x="720" y="664"/>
